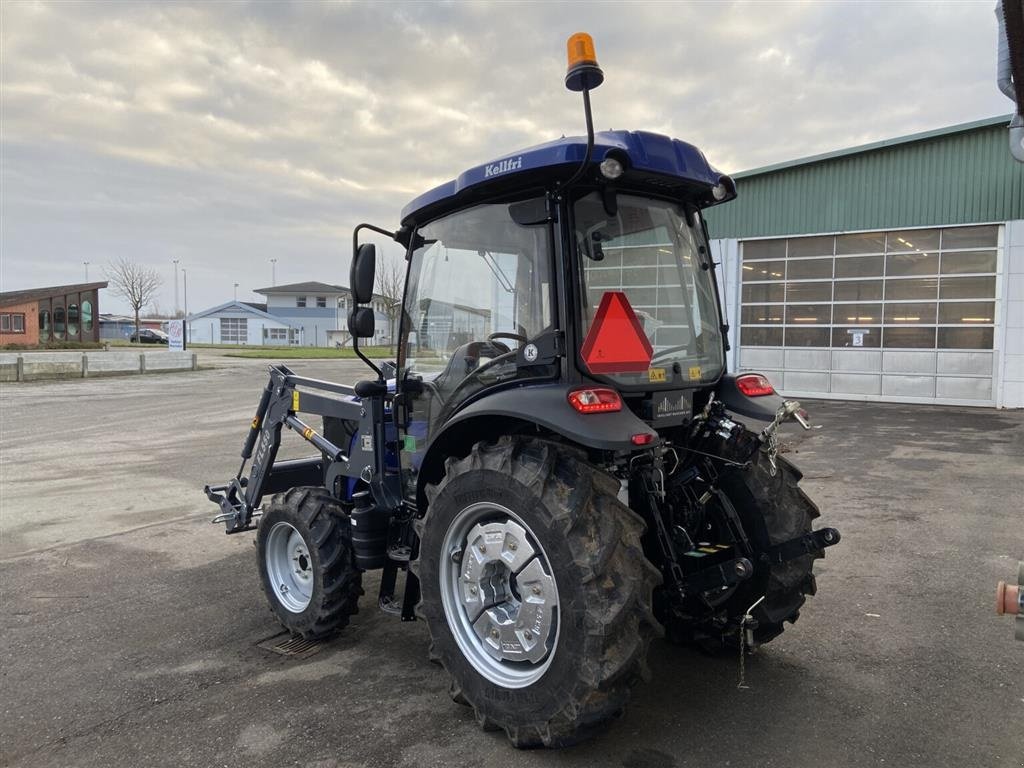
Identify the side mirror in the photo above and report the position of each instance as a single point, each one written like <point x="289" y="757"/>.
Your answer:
<point x="364" y="268"/>
<point x="360" y="322"/>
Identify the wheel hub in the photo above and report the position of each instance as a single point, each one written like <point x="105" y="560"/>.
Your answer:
<point x="500" y="598"/>
<point x="289" y="567"/>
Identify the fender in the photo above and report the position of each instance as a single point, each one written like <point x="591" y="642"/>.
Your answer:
<point x="544" y="405"/>
<point x="762" y="408"/>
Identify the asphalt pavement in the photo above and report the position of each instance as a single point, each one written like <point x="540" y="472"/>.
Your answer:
<point x="134" y="633"/>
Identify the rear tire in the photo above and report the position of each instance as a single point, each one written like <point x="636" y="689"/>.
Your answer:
<point x="306" y="564"/>
<point x="591" y="582"/>
<point x="773" y="509"/>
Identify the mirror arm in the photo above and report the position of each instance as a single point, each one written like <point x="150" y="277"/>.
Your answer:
<point x="371" y="227"/>
<point x="365" y="359"/>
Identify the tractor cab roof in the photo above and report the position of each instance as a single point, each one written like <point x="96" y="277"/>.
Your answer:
<point x="665" y="165"/>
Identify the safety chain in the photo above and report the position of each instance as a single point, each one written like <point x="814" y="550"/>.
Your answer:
<point x="773" y="451"/>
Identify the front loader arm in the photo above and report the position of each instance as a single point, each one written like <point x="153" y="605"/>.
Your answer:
<point x="240" y="498"/>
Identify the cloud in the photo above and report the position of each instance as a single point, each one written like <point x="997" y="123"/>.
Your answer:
<point x="227" y="134"/>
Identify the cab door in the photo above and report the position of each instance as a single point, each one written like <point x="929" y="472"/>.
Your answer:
<point x="479" y="289"/>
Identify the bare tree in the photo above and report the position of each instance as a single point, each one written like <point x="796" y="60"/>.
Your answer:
<point x="135" y="283"/>
<point x="390" y="287"/>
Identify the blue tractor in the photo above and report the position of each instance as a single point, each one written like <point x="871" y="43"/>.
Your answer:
<point x="557" y="461"/>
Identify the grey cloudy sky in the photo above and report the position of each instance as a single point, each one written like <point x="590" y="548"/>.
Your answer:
<point x="227" y="134"/>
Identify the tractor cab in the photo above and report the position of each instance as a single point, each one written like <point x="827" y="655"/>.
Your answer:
<point x="602" y="290"/>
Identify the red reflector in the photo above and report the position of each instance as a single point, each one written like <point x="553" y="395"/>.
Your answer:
<point x="644" y="438"/>
<point x="616" y="342"/>
<point x="595" y="400"/>
<point x="754" y="385"/>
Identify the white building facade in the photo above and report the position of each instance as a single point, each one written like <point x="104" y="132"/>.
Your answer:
<point x="240" y="323"/>
<point x="320" y="312"/>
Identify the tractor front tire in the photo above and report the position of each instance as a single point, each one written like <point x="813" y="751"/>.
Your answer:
<point x="306" y="563"/>
<point x="535" y="590"/>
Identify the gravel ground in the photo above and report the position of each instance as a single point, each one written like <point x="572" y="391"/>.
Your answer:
<point x="132" y="627"/>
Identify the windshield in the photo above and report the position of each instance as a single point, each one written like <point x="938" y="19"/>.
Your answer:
<point x="647" y="250"/>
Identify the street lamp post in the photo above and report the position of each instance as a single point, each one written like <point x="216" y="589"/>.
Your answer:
<point x="86" y="271"/>
<point x="188" y="330"/>
<point x="175" y="287"/>
<point x="236" y="291"/>
<point x="273" y="271"/>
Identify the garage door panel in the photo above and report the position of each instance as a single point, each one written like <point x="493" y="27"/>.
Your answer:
<point x="856" y="360"/>
<point x="811" y="359"/>
<point x="905" y="361"/>
<point x="802" y="381"/>
<point x="903" y="314"/>
<point x="856" y="384"/>
<point x="755" y="357"/>
<point x="908" y="386"/>
<point x="964" y="388"/>
<point x="979" y="363"/>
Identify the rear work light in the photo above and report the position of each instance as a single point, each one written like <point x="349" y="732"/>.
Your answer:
<point x="595" y="400"/>
<point x="754" y="385"/>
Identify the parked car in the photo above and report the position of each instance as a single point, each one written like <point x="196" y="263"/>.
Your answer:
<point x="149" y="336"/>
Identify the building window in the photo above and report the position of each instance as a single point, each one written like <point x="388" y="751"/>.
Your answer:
<point x="300" y="301"/>
<point x="321" y="301"/>
<point x="72" y="320"/>
<point x="277" y="334"/>
<point x="58" y="323"/>
<point x="12" y="322"/>
<point x="87" y="316"/>
<point x="44" y="324"/>
<point x="234" y="330"/>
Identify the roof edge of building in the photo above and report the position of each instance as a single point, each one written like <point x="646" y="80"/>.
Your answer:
<point x="875" y="145"/>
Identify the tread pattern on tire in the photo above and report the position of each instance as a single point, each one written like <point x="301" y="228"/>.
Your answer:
<point x="603" y="536"/>
<point x="788" y="512"/>
<point x="336" y="597"/>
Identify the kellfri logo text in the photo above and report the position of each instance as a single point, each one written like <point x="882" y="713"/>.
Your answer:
<point x="503" y="166"/>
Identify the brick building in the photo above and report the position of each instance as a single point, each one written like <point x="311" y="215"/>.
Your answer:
<point x="58" y="313"/>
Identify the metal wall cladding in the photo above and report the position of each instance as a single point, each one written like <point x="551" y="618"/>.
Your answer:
<point x="959" y="177"/>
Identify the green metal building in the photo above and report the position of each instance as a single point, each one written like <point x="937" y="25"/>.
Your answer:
<point x="892" y="271"/>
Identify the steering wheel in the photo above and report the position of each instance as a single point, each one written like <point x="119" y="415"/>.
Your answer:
<point x="474" y="375"/>
<point x="503" y="335"/>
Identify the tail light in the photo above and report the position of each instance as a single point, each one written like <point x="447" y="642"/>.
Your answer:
<point x="754" y="385"/>
<point x="595" y="400"/>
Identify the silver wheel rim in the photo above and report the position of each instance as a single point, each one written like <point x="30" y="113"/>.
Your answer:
<point x="499" y="595"/>
<point x="289" y="567"/>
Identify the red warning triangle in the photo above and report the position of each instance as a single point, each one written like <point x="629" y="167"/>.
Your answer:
<point x="616" y="342"/>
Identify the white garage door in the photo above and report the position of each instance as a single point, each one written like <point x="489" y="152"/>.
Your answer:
<point x="903" y="315"/>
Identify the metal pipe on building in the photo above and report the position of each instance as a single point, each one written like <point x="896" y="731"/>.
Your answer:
<point x="1010" y="67"/>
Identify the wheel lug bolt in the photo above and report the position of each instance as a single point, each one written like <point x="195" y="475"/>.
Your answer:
<point x="513" y="546"/>
<point x="528" y="635"/>
<point x="494" y="634"/>
<point x="472" y="590"/>
<point x="536" y="590"/>
<point x="482" y="548"/>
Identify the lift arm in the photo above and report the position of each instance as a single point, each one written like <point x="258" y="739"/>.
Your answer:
<point x="240" y="498"/>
